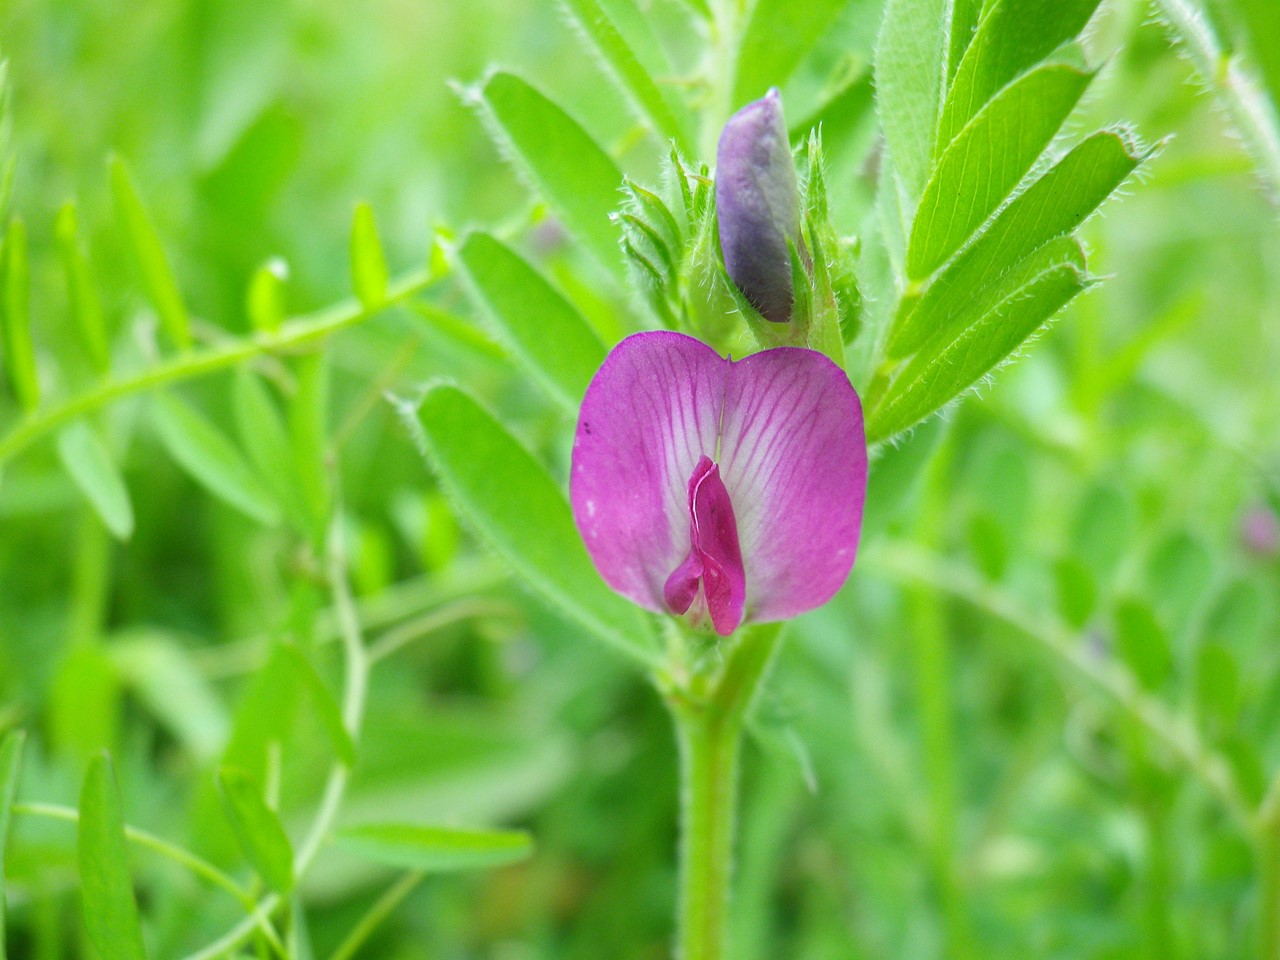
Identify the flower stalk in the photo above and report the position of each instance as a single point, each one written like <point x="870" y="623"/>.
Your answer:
<point x="709" y="730"/>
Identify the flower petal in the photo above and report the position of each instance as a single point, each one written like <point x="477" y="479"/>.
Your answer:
<point x="793" y="456"/>
<point x="650" y="414"/>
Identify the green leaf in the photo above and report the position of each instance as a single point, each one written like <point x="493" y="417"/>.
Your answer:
<point x="436" y="849"/>
<point x="1178" y="576"/>
<point x="10" y="768"/>
<point x="1014" y="36"/>
<point x="924" y="331"/>
<point x="988" y="159"/>
<point x="561" y="161"/>
<point x="84" y="709"/>
<point x="1217" y="684"/>
<point x="625" y="68"/>
<point x="265" y="301"/>
<point x="1102" y="530"/>
<point x="1142" y="642"/>
<point x="1051" y="207"/>
<point x="211" y="459"/>
<point x="157" y="275"/>
<point x="511" y="500"/>
<point x="15" y="319"/>
<point x="308" y="418"/>
<point x="106" y="887"/>
<point x="322" y="701"/>
<point x="1077" y="593"/>
<point x="542" y="329"/>
<point x="368" y="265"/>
<point x="932" y="379"/>
<point x="166" y="679"/>
<point x="257" y="828"/>
<point x="265" y="438"/>
<point x="910" y="62"/>
<point x="777" y="35"/>
<point x="82" y="291"/>
<point x="96" y="475"/>
<point x="965" y="15"/>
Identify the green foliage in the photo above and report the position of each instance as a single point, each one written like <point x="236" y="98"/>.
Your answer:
<point x="436" y="849"/>
<point x="110" y="908"/>
<point x="1040" y="720"/>
<point x="87" y="462"/>
<point x="543" y="330"/>
<point x="558" y="157"/>
<point x="153" y="265"/>
<point x="257" y="828"/>
<point x="211" y="459"/>
<point x="529" y="524"/>
<point x="10" y="770"/>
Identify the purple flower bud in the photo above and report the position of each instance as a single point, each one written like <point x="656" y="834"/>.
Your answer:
<point x="758" y="205"/>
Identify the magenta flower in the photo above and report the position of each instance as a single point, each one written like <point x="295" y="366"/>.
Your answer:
<point x="758" y="205"/>
<point x="728" y="491"/>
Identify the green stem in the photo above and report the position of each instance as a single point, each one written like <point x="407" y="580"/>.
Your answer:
<point x="295" y="333"/>
<point x="709" y="773"/>
<point x="1267" y="847"/>
<point x="1250" y="113"/>
<point x="709" y="732"/>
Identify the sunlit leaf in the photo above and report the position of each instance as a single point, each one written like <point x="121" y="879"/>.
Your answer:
<point x="1053" y="206"/>
<point x="15" y="319"/>
<point x="106" y="886"/>
<point x="265" y="300"/>
<point x="910" y="64"/>
<point x="368" y="265"/>
<point x="560" y="159"/>
<point x="211" y="459"/>
<point x="157" y="275"/>
<point x="988" y="159"/>
<point x="88" y="463"/>
<point x="257" y="828"/>
<point x="513" y="503"/>
<point x="1014" y="36"/>
<point x="933" y="378"/>
<point x="82" y="291"/>
<point x="436" y="849"/>
<point x="543" y="330"/>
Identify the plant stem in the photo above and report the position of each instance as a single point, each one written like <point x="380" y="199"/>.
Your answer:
<point x="296" y="333"/>
<point x="709" y="730"/>
<point x="709" y="750"/>
<point x="1250" y="112"/>
<point x="1267" y="847"/>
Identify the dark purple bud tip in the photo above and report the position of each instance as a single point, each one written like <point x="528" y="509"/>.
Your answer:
<point x="758" y="205"/>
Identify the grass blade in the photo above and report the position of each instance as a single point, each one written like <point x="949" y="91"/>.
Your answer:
<point x="110" y="909"/>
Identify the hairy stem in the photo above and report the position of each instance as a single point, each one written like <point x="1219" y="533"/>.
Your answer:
<point x="1250" y="112"/>
<point x="296" y="333"/>
<point x="709" y="730"/>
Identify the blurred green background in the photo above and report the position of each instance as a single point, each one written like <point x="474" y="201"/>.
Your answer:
<point x="937" y="768"/>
